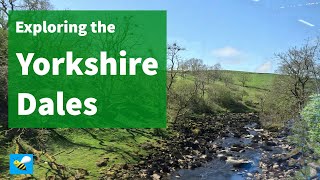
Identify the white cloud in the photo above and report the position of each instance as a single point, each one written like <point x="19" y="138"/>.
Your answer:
<point x="229" y="55"/>
<point x="265" y="67"/>
<point x="226" y="52"/>
<point x="306" y="23"/>
<point x="255" y="0"/>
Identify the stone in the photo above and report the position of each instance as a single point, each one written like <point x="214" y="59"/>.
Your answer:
<point x="313" y="169"/>
<point x="239" y="163"/>
<point x="203" y="156"/>
<point x="103" y="162"/>
<point x="271" y="143"/>
<point x="156" y="177"/>
<point x="125" y="166"/>
<point x="222" y="157"/>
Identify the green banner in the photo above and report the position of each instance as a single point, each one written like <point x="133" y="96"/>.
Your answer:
<point x="87" y="69"/>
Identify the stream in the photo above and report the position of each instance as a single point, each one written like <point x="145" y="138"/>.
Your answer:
<point x="238" y="158"/>
<point x="220" y="147"/>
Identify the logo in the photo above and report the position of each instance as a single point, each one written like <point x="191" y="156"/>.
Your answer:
<point x="21" y="164"/>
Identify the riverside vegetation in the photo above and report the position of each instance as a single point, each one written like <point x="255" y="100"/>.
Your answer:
<point x="223" y="124"/>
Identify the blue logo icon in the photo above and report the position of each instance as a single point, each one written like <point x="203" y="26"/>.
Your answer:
<point x="21" y="164"/>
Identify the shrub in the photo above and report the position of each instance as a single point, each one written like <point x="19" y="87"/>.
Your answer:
<point x="278" y="106"/>
<point x="180" y="98"/>
<point x="311" y="115"/>
<point x="3" y="47"/>
<point x="199" y="106"/>
<point x="227" y="99"/>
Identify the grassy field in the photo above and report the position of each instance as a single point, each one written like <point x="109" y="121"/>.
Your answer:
<point x="258" y="85"/>
<point x="256" y="80"/>
<point x="83" y="148"/>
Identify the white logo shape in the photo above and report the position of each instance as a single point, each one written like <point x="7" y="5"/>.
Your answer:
<point x="25" y="159"/>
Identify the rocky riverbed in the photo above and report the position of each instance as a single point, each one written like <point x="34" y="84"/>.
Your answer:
<point x="232" y="146"/>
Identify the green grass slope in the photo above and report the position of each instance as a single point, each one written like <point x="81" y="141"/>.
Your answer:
<point x="256" y="80"/>
<point x="241" y="98"/>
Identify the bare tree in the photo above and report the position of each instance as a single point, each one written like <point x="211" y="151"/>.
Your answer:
<point x="173" y="63"/>
<point x="195" y="65"/>
<point x="201" y="81"/>
<point x="36" y="5"/>
<point x="214" y="72"/>
<point x="11" y="5"/>
<point x="227" y="79"/>
<point x="184" y="69"/>
<point x="244" y="78"/>
<point x="199" y="70"/>
<point x="301" y="67"/>
<point x="217" y="71"/>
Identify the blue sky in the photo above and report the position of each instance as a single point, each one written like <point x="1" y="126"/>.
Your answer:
<point x="240" y="34"/>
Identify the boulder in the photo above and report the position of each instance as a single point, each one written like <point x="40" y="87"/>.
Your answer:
<point x="103" y="162"/>
<point x="156" y="177"/>
<point x="239" y="163"/>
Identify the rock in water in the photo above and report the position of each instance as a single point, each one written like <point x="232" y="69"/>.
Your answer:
<point x="239" y="163"/>
<point x="156" y="177"/>
<point x="249" y="175"/>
